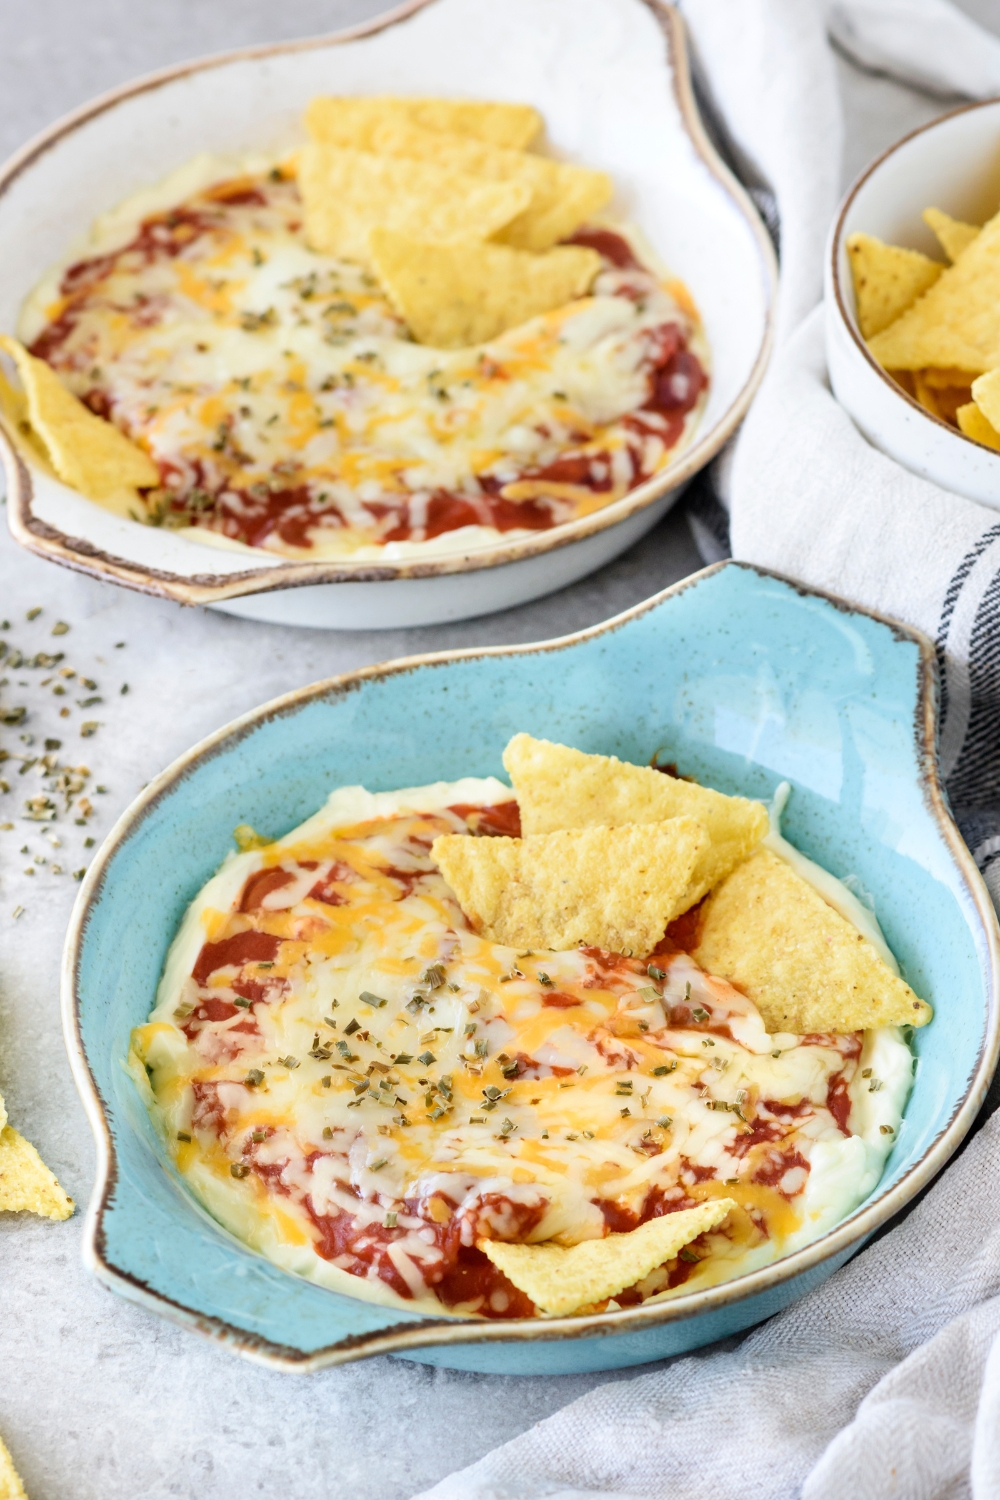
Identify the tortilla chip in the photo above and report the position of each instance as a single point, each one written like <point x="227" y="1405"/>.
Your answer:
<point x="348" y="193"/>
<point x="26" y="1184"/>
<point x="956" y="324"/>
<point x="977" y="427"/>
<point x="455" y="295"/>
<point x="574" y="196"/>
<point x="953" y="235"/>
<point x="352" y="122"/>
<point x="86" y="452"/>
<point x="14" y="406"/>
<point x="986" y="395"/>
<point x="806" y="969"/>
<point x="14" y="409"/>
<point x="11" y="1487"/>
<point x="562" y="1280"/>
<point x="611" y="888"/>
<point x="925" y="394"/>
<point x="941" y="392"/>
<point x="562" y="196"/>
<point x="887" y="280"/>
<point x="557" y="787"/>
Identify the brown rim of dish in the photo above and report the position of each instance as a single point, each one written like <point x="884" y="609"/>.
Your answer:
<point x="836" y="239"/>
<point x="205" y="588"/>
<point x="439" y="1332"/>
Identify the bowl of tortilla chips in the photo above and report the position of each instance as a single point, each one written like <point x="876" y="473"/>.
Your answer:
<point x="390" y="328"/>
<point x="735" y="678"/>
<point x="912" y="298"/>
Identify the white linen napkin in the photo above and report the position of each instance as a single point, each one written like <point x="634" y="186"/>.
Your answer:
<point x="884" y="1383"/>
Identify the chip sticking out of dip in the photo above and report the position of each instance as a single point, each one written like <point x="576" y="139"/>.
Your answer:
<point x="348" y="193"/>
<point x="558" y="787"/>
<point x="953" y="235"/>
<point x="563" y="196"/>
<point x="804" y="967"/>
<point x="887" y="280"/>
<point x="26" y="1184"/>
<point x="354" y="121"/>
<point x="86" y="452"/>
<point x="561" y="1280"/>
<point x="11" y="1487"/>
<point x="467" y="293"/>
<point x="614" y="888"/>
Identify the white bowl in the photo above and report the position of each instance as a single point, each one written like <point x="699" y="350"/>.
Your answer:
<point x="952" y="164"/>
<point x="611" y="79"/>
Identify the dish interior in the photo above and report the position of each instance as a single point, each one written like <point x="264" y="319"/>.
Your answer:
<point x="597" y="70"/>
<point x="738" y="677"/>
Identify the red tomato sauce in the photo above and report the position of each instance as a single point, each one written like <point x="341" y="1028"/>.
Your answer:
<point x="242" y="948"/>
<point x="503" y="818"/>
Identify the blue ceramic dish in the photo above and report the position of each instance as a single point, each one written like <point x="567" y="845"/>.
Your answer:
<point x="745" y="680"/>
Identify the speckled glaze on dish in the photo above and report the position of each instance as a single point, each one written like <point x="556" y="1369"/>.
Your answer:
<point x="742" y="677"/>
<point x="611" y="78"/>
<point x="952" y="164"/>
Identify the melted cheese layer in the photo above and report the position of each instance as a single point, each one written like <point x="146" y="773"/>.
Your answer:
<point x="287" y="407"/>
<point x="360" y="1087"/>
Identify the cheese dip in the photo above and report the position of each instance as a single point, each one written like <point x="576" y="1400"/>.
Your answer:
<point x="287" y="407"/>
<point x="361" y="1088"/>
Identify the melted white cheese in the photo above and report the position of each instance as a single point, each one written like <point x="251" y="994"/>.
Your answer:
<point x="248" y="365"/>
<point x="569" y="1139"/>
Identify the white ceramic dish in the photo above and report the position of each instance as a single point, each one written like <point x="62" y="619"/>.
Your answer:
<point x="610" y="77"/>
<point x="952" y="164"/>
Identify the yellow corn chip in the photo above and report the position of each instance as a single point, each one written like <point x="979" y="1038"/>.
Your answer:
<point x="977" y="427"/>
<point x="941" y="392"/>
<point x="576" y="194"/>
<point x="353" y="121"/>
<point x="557" y="787"/>
<point x="887" y="280"/>
<point x="562" y="1280"/>
<point x="806" y="969"/>
<point x="467" y="293"/>
<point x="943" y="380"/>
<point x="14" y="406"/>
<point x="348" y="193"/>
<point x="953" y="236"/>
<point x="86" y="452"/>
<point x="925" y="394"/>
<point x="986" y="395"/>
<point x="11" y="1487"/>
<point x="26" y="1184"/>
<point x="611" y="888"/>
<point x="956" y="324"/>
<point x="562" y="196"/>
